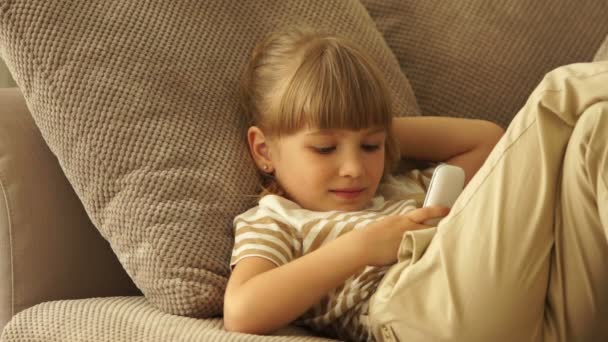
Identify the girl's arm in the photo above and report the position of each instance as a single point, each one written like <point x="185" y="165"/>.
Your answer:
<point x="461" y="142"/>
<point x="261" y="298"/>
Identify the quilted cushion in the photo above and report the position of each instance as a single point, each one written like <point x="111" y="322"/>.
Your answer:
<point x="481" y="59"/>
<point x="127" y="319"/>
<point x="137" y="99"/>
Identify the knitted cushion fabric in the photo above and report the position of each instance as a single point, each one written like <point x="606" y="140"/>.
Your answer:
<point x="137" y="99"/>
<point x="481" y="59"/>
<point x="128" y="319"/>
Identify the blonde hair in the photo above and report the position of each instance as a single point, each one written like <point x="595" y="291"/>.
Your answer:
<point x="300" y="77"/>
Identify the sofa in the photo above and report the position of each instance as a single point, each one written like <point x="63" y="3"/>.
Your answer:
<point x="63" y="277"/>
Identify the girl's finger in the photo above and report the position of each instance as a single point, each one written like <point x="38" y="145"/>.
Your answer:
<point x="423" y="214"/>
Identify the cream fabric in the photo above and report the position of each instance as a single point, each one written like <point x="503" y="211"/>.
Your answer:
<point x="138" y="101"/>
<point x="522" y="254"/>
<point x="481" y="59"/>
<point x="127" y="319"/>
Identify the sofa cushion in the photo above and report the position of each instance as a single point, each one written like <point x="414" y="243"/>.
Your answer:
<point x="481" y="59"/>
<point x="137" y="99"/>
<point x="127" y="319"/>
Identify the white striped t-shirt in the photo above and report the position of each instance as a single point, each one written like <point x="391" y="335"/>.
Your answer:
<point x="280" y="230"/>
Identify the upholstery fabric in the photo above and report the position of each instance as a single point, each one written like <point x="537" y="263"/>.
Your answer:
<point x="48" y="247"/>
<point x="602" y="52"/>
<point x="127" y="319"/>
<point x="481" y="59"/>
<point x="6" y="80"/>
<point x="137" y="99"/>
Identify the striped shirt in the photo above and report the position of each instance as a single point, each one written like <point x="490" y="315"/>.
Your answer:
<point x="280" y="231"/>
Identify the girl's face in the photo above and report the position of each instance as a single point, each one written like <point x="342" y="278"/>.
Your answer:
<point x="333" y="169"/>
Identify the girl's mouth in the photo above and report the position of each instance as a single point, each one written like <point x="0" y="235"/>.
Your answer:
<point x="348" y="193"/>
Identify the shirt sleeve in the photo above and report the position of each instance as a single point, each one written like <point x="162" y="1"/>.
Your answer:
<point x="262" y="235"/>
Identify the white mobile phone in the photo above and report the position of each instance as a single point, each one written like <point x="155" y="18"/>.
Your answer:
<point x="446" y="185"/>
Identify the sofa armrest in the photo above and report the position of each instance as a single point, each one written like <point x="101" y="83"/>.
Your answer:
<point x="49" y="249"/>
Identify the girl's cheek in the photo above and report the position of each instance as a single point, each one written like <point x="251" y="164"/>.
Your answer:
<point x="320" y="170"/>
<point x="377" y="164"/>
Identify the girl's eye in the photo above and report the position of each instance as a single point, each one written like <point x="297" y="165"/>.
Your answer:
<point x="325" y="150"/>
<point x="370" y="148"/>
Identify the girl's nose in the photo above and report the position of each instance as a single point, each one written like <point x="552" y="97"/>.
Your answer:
<point x="352" y="167"/>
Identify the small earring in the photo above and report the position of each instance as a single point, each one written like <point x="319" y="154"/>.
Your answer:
<point x="265" y="167"/>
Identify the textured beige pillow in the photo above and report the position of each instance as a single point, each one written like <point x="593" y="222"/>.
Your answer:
<point x="602" y="52"/>
<point x="481" y="59"/>
<point x="138" y="101"/>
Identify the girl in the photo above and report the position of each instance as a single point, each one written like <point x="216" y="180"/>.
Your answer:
<point x="321" y="134"/>
<point x="323" y="249"/>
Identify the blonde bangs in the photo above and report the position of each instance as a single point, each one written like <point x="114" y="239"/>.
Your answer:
<point x="334" y="87"/>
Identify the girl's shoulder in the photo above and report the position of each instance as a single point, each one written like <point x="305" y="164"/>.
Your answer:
<point x="282" y="210"/>
<point x="270" y="207"/>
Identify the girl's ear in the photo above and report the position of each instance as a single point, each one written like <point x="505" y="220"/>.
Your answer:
<point x="259" y="148"/>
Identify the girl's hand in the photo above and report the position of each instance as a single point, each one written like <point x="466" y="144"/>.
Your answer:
<point x="382" y="238"/>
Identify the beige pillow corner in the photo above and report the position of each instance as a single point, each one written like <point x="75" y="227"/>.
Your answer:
<point x="602" y="52"/>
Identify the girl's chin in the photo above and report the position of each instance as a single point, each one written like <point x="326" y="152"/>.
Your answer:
<point x="349" y="205"/>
